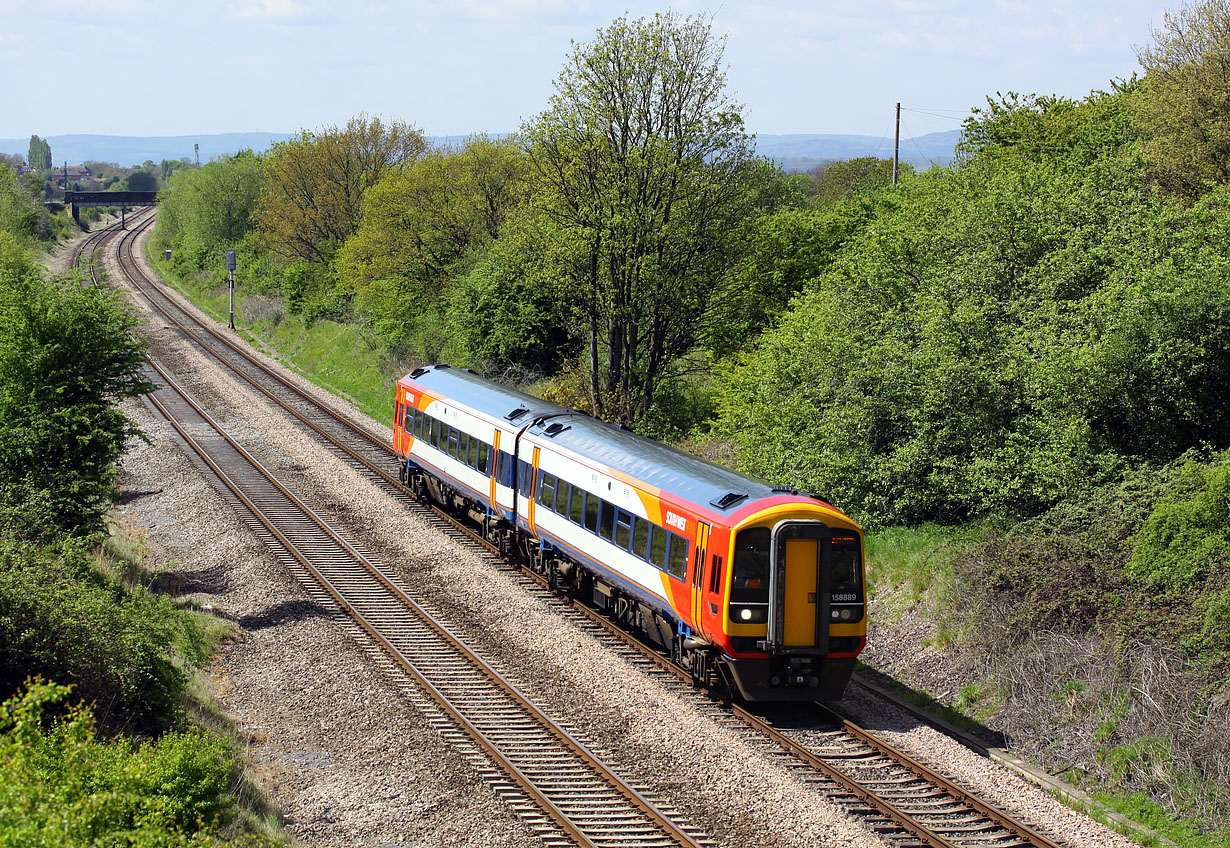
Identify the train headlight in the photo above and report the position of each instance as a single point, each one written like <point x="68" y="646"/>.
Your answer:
<point x="745" y="614"/>
<point x="835" y="615"/>
<point x="845" y="615"/>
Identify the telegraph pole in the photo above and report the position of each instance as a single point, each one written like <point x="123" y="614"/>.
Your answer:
<point x="896" y="143"/>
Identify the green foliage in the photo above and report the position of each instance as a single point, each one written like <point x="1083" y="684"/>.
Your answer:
<point x="999" y="338"/>
<point x="66" y="357"/>
<point x="64" y="787"/>
<point x="62" y="619"/>
<point x="421" y="224"/>
<point x="1186" y="539"/>
<point x="39" y="155"/>
<point x="205" y="211"/>
<point x="643" y="161"/>
<point x="838" y="181"/>
<point x="1183" y="111"/>
<point x="20" y="215"/>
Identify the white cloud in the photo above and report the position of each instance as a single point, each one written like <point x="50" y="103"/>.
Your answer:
<point x="265" y="10"/>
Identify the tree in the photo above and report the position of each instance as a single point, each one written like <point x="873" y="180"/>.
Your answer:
<point x="315" y="184"/>
<point x="421" y="221"/>
<point x="67" y="355"/>
<point x="643" y="158"/>
<point x="39" y="155"/>
<point x="1184" y="107"/>
<point x="211" y="207"/>
<point x="841" y="180"/>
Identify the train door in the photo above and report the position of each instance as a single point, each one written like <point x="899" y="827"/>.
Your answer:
<point x="698" y="579"/>
<point x="533" y="493"/>
<point x="799" y="581"/>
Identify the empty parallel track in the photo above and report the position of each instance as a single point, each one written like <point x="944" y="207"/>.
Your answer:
<point x="903" y="800"/>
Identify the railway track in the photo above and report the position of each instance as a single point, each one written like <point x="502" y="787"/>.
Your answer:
<point x="579" y="799"/>
<point x="903" y="800"/>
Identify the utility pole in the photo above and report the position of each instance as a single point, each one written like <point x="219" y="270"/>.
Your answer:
<point x="196" y="149"/>
<point x="896" y="143"/>
<point x="230" y="268"/>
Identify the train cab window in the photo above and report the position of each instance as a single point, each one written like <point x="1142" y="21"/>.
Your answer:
<point x="623" y="529"/>
<point x="677" y="557"/>
<point x="483" y="457"/>
<point x="749" y="584"/>
<point x="847" y="575"/>
<point x="657" y="546"/>
<point x="546" y="491"/>
<point x="606" y="522"/>
<point x="577" y="509"/>
<point x="640" y="538"/>
<point x="591" y="512"/>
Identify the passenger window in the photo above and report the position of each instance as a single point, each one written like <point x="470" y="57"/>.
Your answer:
<point x="407" y="422"/>
<point x="577" y="510"/>
<point x="453" y="438"/>
<point x="678" y="556"/>
<point x="463" y="445"/>
<point x="483" y="456"/>
<point x="640" y="538"/>
<point x="657" y="546"/>
<point x="715" y="576"/>
<point x="561" y="497"/>
<point x="505" y="470"/>
<point x="546" y="494"/>
<point x="472" y="453"/>
<point x="433" y="435"/>
<point x="623" y="529"/>
<point x="591" y="512"/>
<point x="525" y="475"/>
<point x="606" y="524"/>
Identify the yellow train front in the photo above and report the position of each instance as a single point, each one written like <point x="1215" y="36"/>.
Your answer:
<point x="757" y="589"/>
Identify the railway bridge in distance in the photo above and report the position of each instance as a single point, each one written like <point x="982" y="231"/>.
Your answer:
<point x="122" y="199"/>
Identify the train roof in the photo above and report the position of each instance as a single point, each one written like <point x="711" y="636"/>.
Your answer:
<point x="647" y="461"/>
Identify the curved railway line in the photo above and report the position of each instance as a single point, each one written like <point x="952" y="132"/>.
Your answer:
<point x="903" y="800"/>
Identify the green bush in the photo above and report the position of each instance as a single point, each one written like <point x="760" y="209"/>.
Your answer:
<point x="64" y="787"/>
<point x="122" y="650"/>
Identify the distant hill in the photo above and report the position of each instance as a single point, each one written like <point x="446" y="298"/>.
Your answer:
<point x="792" y="152"/>
<point x="804" y="152"/>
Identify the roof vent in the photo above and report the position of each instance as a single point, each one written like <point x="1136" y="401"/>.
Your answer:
<point x="785" y="490"/>
<point x="418" y="372"/>
<point x="555" y="429"/>
<point x="516" y="413"/>
<point x="728" y="500"/>
<point x="443" y="367"/>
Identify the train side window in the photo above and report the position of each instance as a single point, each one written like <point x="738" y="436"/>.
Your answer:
<point x="420" y="420"/>
<point x="561" y="496"/>
<point x="640" y="538"/>
<point x="463" y="446"/>
<point x="657" y="546"/>
<point x="577" y="510"/>
<point x="525" y="477"/>
<point x="407" y="422"/>
<point x="483" y="456"/>
<point x="606" y="523"/>
<point x="715" y="576"/>
<point x="453" y="439"/>
<point x="591" y="512"/>
<point x="546" y="491"/>
<point x="677" y="558"/>
<point x="433" y="431"/>
<point x="623" y="529"/>
<point x="472" y="454"/>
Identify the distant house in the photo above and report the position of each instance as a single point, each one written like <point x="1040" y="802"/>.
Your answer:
<point x="78" y="172"/>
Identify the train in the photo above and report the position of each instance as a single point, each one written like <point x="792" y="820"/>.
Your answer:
<point x="756" y="589"/>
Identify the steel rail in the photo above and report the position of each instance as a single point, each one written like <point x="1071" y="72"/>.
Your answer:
<point x="565" y="821"/>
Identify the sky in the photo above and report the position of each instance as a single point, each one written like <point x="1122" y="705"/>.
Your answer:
<point x="454" y="67"/>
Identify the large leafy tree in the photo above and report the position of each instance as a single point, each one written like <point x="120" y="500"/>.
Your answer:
<point x="211" y="206"/>
<point x="419" y="225"/>
<point x="66" y="357"/>
<point x="315" y="184"/>
<point x="643" y="159"/>
<point x="1184" y="107"/>
<point x="39" y="154"/>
